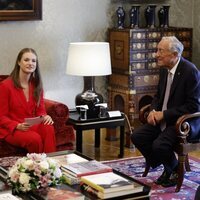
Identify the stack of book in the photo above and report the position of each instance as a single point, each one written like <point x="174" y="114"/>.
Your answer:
<point x="109" y="185"/>
<point x="68" y="159"/>
<point x="74" y="171"/>
<point x="99" y="181"/>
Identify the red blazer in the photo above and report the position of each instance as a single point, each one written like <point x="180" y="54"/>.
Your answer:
<point x="14" y="107"/>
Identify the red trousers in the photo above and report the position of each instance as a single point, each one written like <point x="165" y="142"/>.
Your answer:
<point x="38" y="139"/>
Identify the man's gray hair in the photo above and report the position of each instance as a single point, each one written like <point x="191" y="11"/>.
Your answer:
<point x="174" y="45"/>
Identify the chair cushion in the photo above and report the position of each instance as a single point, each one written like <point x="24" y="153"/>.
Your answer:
<point x="194" y="134"/>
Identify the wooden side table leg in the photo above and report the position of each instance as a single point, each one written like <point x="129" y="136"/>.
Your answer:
<point x="97" y="138"/>
<point x="79" y="139"/>
<point x="121" y="154"/>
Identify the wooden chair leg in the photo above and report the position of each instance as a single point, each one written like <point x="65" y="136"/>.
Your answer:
<point x="187" y="164"/>
<point x="181" y="171"/>
<point x="147" y="167"/>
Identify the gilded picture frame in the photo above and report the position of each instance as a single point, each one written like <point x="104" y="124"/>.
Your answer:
<point x="15" y="10"/>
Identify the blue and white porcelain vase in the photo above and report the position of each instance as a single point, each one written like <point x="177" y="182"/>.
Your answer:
<point x="121" y="17"/>
<point x="134" y="16"/>
<point x="163" y="16"/>
<point x="150" y="16"/>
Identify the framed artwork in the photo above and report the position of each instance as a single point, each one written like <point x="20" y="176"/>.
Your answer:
<point x="16" y="10"/>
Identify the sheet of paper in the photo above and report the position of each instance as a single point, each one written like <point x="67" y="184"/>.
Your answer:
<point x="34" y="120"/>
<point x="8" y="196"/>
<point x="114" y="113"/>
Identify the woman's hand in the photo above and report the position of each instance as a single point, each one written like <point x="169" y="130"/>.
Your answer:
<point x="23" y="126"/>
<point x="48" y="120"/>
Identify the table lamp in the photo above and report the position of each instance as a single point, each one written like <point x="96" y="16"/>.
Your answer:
<point x="89" y="59"/>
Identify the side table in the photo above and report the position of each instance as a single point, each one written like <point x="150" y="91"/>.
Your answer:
<point x="96" y="124"/>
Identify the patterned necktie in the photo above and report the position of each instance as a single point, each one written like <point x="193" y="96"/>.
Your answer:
<point x="167" y="91"/>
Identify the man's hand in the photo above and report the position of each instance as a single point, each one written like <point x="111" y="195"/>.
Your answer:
<point x="154" y="117"/>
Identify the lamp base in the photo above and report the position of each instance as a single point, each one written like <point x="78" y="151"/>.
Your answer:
<point x="89" y="98"/>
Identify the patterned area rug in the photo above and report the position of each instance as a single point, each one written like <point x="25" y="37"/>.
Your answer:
<point x="135" y="167"/>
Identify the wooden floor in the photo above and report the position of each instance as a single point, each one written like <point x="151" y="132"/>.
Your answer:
<point x="109" y="150"/>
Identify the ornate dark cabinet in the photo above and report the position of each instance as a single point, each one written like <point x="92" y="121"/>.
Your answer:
<point x="135" y="74"/>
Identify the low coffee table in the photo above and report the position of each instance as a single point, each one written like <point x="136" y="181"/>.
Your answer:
<point x="97" y="124"/>
<point x="60" y="156"/>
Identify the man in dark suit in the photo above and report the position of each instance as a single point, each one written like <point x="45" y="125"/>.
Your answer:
<point x="178" y="93"/>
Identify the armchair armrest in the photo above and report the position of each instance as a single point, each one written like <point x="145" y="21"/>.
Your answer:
<point x="144" y="112"/>
<point x="186" y="125"/>
<point x="56" y="109"/>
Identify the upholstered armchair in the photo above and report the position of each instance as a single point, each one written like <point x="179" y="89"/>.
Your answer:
<point x="65" y="135"/>
<point x="184" y="125"/>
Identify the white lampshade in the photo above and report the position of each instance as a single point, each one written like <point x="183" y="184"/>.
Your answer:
<point x="89" y="59"/>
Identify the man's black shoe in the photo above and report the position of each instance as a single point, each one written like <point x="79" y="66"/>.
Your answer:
<point x="171" y="181"/>
<point x="162" y="178"/>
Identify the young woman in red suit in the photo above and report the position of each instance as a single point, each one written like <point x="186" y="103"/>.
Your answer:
<point x="21" y="97"/>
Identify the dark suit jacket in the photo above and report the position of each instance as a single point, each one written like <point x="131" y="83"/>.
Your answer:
<point x="184" y="95"/>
